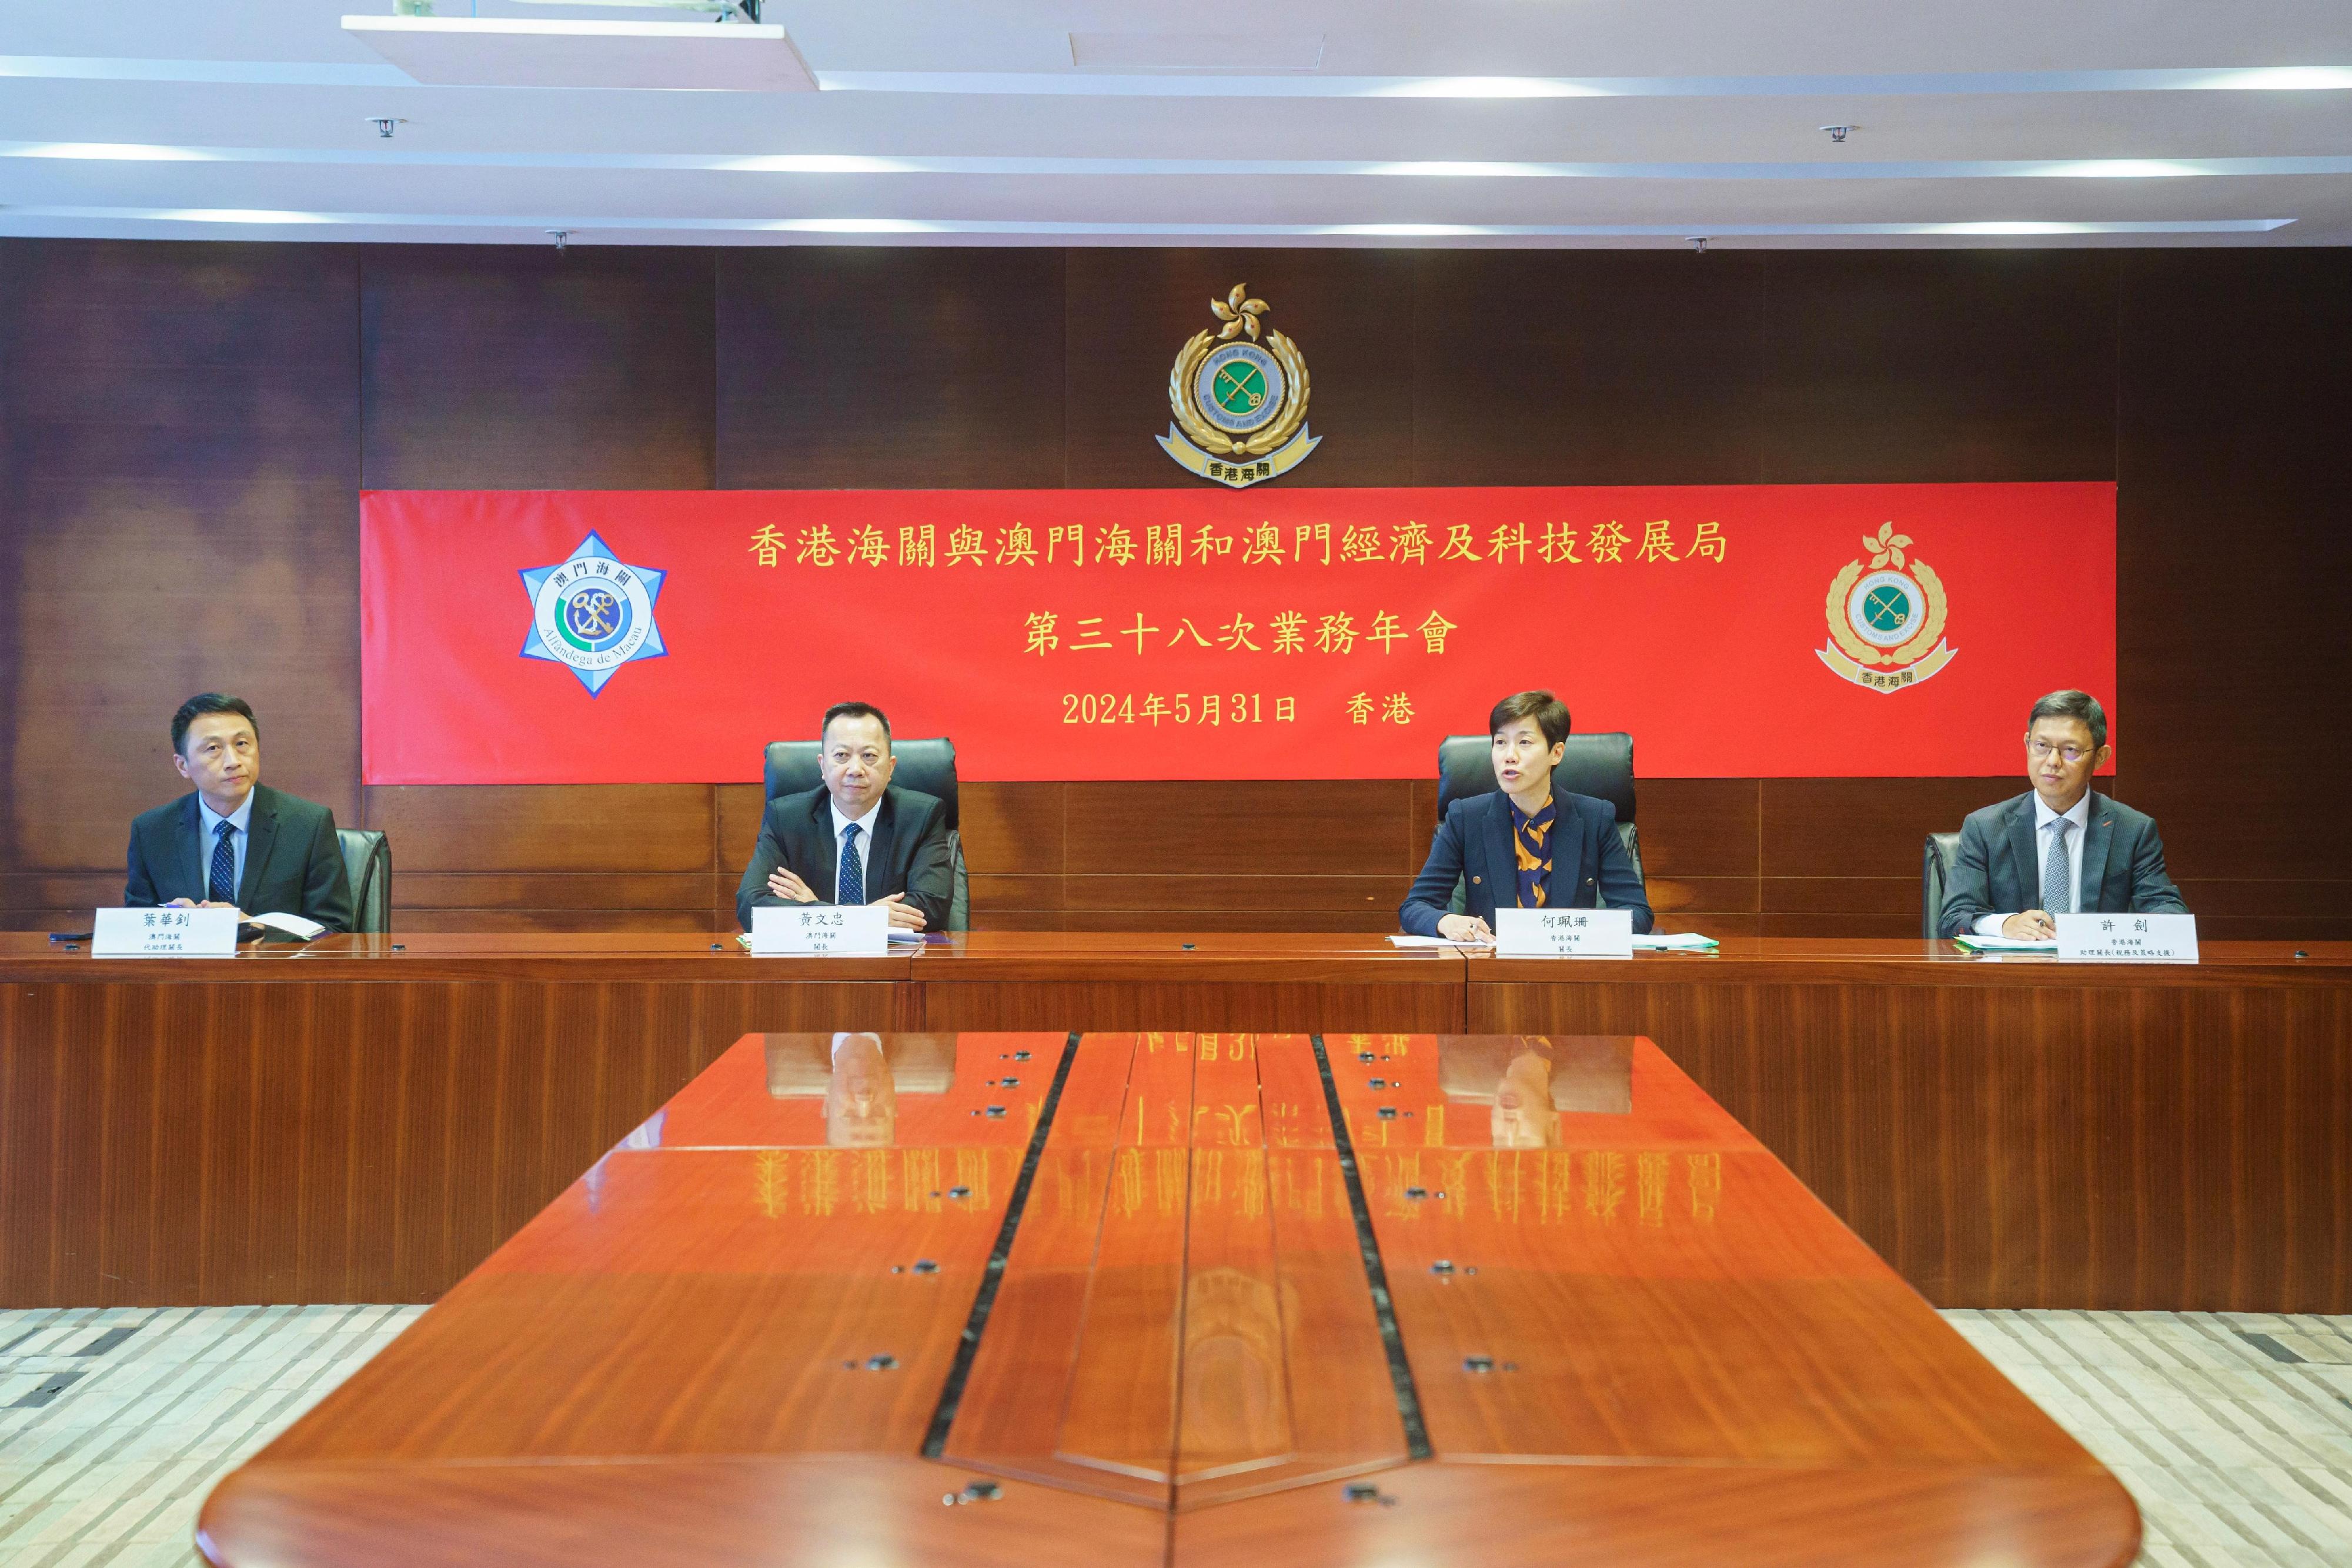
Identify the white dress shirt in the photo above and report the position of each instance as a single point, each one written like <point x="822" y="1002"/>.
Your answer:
<point x="2078" y="814"/>
<point x="209" y="821"/>
<point x="865" y="846"/>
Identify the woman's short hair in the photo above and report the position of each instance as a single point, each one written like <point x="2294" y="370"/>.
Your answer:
<point x="1549" y="713"/>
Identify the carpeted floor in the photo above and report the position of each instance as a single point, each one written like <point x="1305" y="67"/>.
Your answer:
<point x="2234" y="1431"/>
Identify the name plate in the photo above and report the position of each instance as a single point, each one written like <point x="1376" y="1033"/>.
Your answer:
<point x="163" y="933"/>
<point x="1564" y="933"/>
<point x="2127" y="938"/>
<point x="820" y="931"/>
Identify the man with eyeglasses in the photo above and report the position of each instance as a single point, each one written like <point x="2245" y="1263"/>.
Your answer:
<point x="2057" y="849"/>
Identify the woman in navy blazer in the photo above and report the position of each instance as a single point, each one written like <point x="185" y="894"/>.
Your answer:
<point x="1474" y="844"/>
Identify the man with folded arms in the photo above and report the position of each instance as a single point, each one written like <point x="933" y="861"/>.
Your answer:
<point x="1524" y="846"/>
<point x="856" y="840"/>
<point x="2058" y="848"/>
<point x="235" y="842"/>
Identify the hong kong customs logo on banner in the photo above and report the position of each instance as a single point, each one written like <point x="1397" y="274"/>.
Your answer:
<point x="1240" y="407"/>
<point x="1885" y="619"/>
<point x="593" y="614"/>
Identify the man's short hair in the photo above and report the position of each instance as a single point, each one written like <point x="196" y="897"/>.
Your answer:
<point x="203" y="703"/>
<point x="856" y="710"/>
<point x="2079" y="706"/>
<point x="1549" y="713"/>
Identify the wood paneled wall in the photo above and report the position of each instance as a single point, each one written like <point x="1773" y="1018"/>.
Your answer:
<point x="184" y="429"/>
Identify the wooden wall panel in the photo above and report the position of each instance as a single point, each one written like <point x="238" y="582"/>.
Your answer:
<point x="2234" y="518"/>
<point x="530" y="369"/>
<point x="890" y="369"/>
<point x="181" y="515"/>
<point x="1891" y="366"/>
<point x="166" y="407"/>
<point x="1589" y="367"/>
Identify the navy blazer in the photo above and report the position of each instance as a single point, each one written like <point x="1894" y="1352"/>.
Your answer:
<point x="1998" y="870"/>
<point x="1589" y="867"/>
<point x="909" y="853"/>
<point x="293" y="861"/>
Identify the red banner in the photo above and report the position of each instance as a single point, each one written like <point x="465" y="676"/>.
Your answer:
<point x="1736" y="631"/>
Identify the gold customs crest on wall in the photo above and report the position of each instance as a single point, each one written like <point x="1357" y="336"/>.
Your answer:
<point x="1240" y="404"/>
<point x="1886" y="617"/>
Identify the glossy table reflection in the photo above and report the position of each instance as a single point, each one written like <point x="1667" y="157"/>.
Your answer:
<point x="1538" y="1300"/>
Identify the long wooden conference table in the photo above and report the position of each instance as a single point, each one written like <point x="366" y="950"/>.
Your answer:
<point x="366" y="1118"/>
<point x="1019" y="1299"/>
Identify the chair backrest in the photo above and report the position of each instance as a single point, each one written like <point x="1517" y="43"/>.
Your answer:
<point x="1941" y="853"/>
<point x="367" y="858"/>
<point x="1600" y="766"/>
<point x="928" y="765"/>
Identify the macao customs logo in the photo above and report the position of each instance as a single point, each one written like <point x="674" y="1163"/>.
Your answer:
<point x="1240" y="405"/>
<point x="593" y="614"/>
<point x="1886" y="619"/>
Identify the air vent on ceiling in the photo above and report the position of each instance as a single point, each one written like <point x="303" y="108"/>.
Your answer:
<point x="468" y="51"/>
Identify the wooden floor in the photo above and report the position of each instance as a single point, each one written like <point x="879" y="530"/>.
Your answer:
<point x="1181" y="1299"/>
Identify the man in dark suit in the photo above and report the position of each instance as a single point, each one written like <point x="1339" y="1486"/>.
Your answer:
<point x="857" y="840"/>
<point x="235" y="842"/>
<point x="1525" y="846"/>
<point x="2057" y="849"/>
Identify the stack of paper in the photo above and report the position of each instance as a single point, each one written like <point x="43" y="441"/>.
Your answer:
<point x="1975" y="944"/>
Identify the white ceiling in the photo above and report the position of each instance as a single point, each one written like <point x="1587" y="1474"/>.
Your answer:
<point x="1474" y="122"/>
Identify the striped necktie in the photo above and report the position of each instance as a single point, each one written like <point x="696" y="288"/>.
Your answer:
<point x="224" y="877"/>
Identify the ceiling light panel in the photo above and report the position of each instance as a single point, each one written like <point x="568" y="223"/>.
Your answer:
<point x="531" y="52"/>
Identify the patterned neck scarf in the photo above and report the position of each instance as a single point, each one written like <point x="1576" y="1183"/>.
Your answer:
<point x="1531" y="838"/>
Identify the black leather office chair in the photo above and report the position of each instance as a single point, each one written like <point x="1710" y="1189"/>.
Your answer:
<point x="1598" y="765"/>
<point x="1936" y="862"/>
<point x="928" y="765"/>
<point x="367" y="858"/>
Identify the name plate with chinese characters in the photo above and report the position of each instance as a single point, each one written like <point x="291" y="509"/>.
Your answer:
<point x="820" y="931"/>
<point x="2126" y="939"/>
<point x="1564" y="933"/>
<point x="163" y="933"/>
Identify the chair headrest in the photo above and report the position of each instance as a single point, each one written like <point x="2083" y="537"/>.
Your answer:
<point x="927" y="765"/>
<point x="1598" y="765"/>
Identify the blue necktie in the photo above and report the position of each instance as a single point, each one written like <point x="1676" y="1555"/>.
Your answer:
<point x="224" y="881"/>
<point x="852" y="881"/>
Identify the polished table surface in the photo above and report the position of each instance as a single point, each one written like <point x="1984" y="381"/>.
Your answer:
<point x="28" y="954"/>
<point x="366" y="1118"/>
<point x="1180" y="1297"/>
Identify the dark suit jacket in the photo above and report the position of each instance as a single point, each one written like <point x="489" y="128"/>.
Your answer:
<point x="1589" y="868"/>
<point x="908" y="854"/>
<point x="2000" y="866"/>
<point x="293" y="861"/>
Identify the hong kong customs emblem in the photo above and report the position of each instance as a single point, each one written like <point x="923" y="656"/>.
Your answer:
<point x="1240" y="404"/>
<point x="1886" y="619"/>
<point x="593" y="614"/>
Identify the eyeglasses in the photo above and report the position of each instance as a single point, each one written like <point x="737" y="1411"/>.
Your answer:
<point x="2038" y="749"/>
